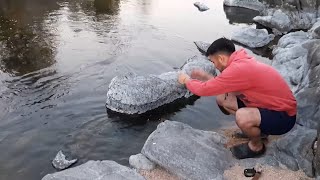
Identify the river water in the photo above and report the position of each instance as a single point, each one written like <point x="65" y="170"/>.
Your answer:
<point x="58" y="57"/>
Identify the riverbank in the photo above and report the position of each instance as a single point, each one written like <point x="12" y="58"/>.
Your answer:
<point x="189" y="153"/>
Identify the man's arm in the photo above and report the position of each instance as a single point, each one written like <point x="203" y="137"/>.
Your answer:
<point x="230" y="80"/>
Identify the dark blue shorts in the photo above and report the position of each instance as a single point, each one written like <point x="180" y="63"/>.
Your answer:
<point x="273" y="122"/>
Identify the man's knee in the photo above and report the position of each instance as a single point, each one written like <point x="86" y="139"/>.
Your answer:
<point x="241" y="118"/>
<point x="247" y="117"/>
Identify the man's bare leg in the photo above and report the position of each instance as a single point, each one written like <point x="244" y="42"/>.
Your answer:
<point x="228" y="102"/>
<point x="248" y="120"/>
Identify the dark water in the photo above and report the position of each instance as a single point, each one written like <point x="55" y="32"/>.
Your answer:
<point x="58" y="57"/>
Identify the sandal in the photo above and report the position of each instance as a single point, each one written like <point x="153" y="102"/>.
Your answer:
<point x="243" y="151"/>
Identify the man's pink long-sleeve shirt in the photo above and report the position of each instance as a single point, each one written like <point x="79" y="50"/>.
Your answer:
<point x="258" y="85"/>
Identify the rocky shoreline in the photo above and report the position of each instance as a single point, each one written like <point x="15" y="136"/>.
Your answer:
<point x="188" y="153"/>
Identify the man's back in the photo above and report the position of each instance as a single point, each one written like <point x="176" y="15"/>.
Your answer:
<point x="266" y="87"/>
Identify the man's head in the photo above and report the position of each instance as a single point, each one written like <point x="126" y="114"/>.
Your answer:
<point x="219" y="52"/>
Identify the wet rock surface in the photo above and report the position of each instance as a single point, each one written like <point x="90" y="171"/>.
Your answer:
<point x="60" y="162"/>
<point x="133" y="94"/>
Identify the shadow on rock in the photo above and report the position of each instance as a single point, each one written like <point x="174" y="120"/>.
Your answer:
<point x="155" y="114"/>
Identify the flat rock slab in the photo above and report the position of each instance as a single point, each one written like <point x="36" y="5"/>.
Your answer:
<point x="96" y="170"/>
<point x="249" y="4"/>
<point x="253" y="38"/>
<point x="133" y="94"/>
<point x="60" y="162"/>
<point x="187" y="152"/>
<point x="201" y="6"/>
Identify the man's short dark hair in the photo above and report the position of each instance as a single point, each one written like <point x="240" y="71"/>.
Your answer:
<point x="222" y="45"/>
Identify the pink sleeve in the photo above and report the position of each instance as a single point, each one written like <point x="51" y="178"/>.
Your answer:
<point x="232" y="79"/>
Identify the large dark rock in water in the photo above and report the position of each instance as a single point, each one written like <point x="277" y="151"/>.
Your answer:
<point x="133" y="94"/>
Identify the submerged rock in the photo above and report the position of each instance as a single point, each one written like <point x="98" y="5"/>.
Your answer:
<point x="253" y="38"/>
<point x="187" y="152"/>
<point x="133" y="94"/>
<point x="61" y="163"/>
<point x="201" y="6"/>
<point x="249" y="4"/>
<point x="140" y="162"/>
<point x="96" y="170"/>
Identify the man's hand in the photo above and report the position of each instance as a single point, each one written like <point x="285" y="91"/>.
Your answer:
<point x="183" y="78"/>
<point x="201" y="75"/>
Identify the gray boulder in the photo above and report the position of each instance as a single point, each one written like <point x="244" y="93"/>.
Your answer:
<point x="139" y="161"/>
<point x="308" y="5"/>
<point x="187" y="152"/>
<point x="297" y="147"/>
<point x="296" y="57"/>
<point x="201" y="6"/>
<point x="282" y="20"/>
<point x="96" y="170"/>
<point x="249" y="4"/>
<point x="315" y="30"/>
<point x="253" y="38"/>
<point x="190" y="153"/>
<point x="290" y="57"/>
<point x="276" y="20"/>
<point x="133" y="94"/>
<point x="308" y="93"/>
<point x="60" y="161"/>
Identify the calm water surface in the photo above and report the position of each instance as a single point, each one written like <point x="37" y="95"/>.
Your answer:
<point x="58" y="57"/>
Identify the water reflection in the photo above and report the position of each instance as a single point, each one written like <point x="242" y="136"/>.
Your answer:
<point x="24" y="48"/>
<point x="107" y="6"/>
